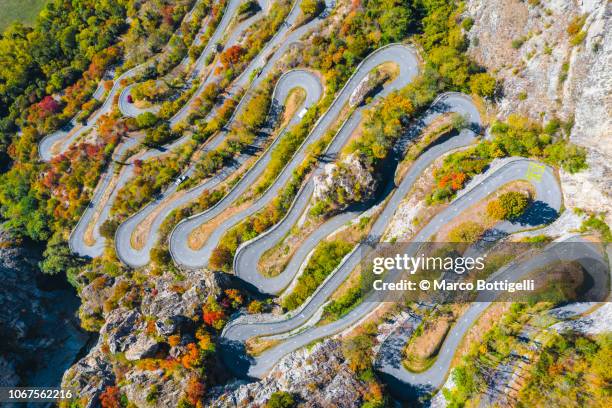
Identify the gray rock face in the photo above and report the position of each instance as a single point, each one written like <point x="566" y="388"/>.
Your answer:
<point x="151" y="389"/>
<point x="90" y="376"/>
<point x="119" y="330"/>
<point x="143" y="347"/>
<point x="367" y="86"/>
<point x="545" y="74"/>
<point x="8" y="376"/>
<point x="172" y="305"/>
<point x="318" y="377"/>
<point x="139" y="329"/>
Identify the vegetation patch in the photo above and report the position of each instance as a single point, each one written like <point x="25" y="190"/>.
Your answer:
<point x="324" y="260"/>
<point x="19" y="11"/>
<point x="516" y="137"/>
<point x="421" y="351"/>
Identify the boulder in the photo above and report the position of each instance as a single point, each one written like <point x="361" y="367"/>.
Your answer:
<point x="143" y="347"/>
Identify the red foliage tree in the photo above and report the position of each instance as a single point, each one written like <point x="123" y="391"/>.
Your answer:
<point x="49" y="105"/>
<point x="212" y="316"/>
<point x="195" y="391"/>
<point x="232" y="55"/>
<point x="110" y="398"/>
<point x="167" y="17"/>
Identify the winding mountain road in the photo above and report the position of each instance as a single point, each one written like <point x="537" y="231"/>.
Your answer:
<point x="60" y="140"/>
<point x="80" y="240"/>
<point x="295" y="328"/>
<point x="547" y="192"/>
<point x="136" y="257"/>
<point x="123" y="238"/>
<point x="249" y="253"/>
<point x="179" y="239"/>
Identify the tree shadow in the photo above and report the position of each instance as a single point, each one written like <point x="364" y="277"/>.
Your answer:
<point x="538" y="213"/>
<point x="412" y="395"/>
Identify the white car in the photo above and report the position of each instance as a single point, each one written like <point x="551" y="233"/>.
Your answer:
<point x="302" y="113"/>
<point x="180" y="179"/>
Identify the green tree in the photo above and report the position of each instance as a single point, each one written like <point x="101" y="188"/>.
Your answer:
<point x="58" y="258"/>
<point x="108" y="228"/>
<point x="483" y="84"/>
<point x="158" y="136"/>
<point x="281" y="399"/>
<point x="146" y="120"/>
<point x="311" y="7"/>
<point x="508" y="206"/>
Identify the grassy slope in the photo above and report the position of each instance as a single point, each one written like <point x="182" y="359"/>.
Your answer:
<point x="19" y="10"/>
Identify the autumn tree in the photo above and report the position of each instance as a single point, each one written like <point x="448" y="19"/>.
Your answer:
<point x="232" y="55"/>
<point x="111" y="398"/>
<point x="213" y="314"/>
<point x="358" y="351"/>
<point x="311" y="7"/>
<point x="508" y="206"/>
<point x="467" y="231"/>
<point x="195" y="391"/>
<point x="220" y="258"/>
<point x="483" y="84"/>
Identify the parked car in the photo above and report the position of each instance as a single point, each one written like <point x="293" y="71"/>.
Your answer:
<point x="130" y="99"/>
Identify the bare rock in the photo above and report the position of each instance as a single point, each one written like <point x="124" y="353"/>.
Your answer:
<point x="8" y="376"/>
<point x="90" y="376"/>
<point x="120" y="329"/>
<point x="372" y="80"/>
<point x="139" y="328"/>
<point x="143" y="347"/>
<point x="174" y="303"/>
<point x="152" y="389"/>
<point x="316" y="377"/>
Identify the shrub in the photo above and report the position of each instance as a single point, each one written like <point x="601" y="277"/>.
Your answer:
<point x="146" y="120"/>
<point x="467" y="23"/>
<point x="508" y="206"/>
<point x="518" y="43"/>
<point x="311" y="7"/>
<point x="468" y="231"/>
<point x="323" y="261"/>
<point x="483" y="84"/>
<point x="281" y="399"/>
<point x="161" y="256"/>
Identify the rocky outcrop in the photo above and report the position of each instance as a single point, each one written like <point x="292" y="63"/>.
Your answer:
<point x="600" y="321"/>
<point x="90" y="376"/>
<point x="346" y="181"/>
<point x="368" y="85"/>
<point x="546" y="72"/>
<point x="151" y="389"/>
<point x="148" y="328"/>
<point x="317" y="378"/>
